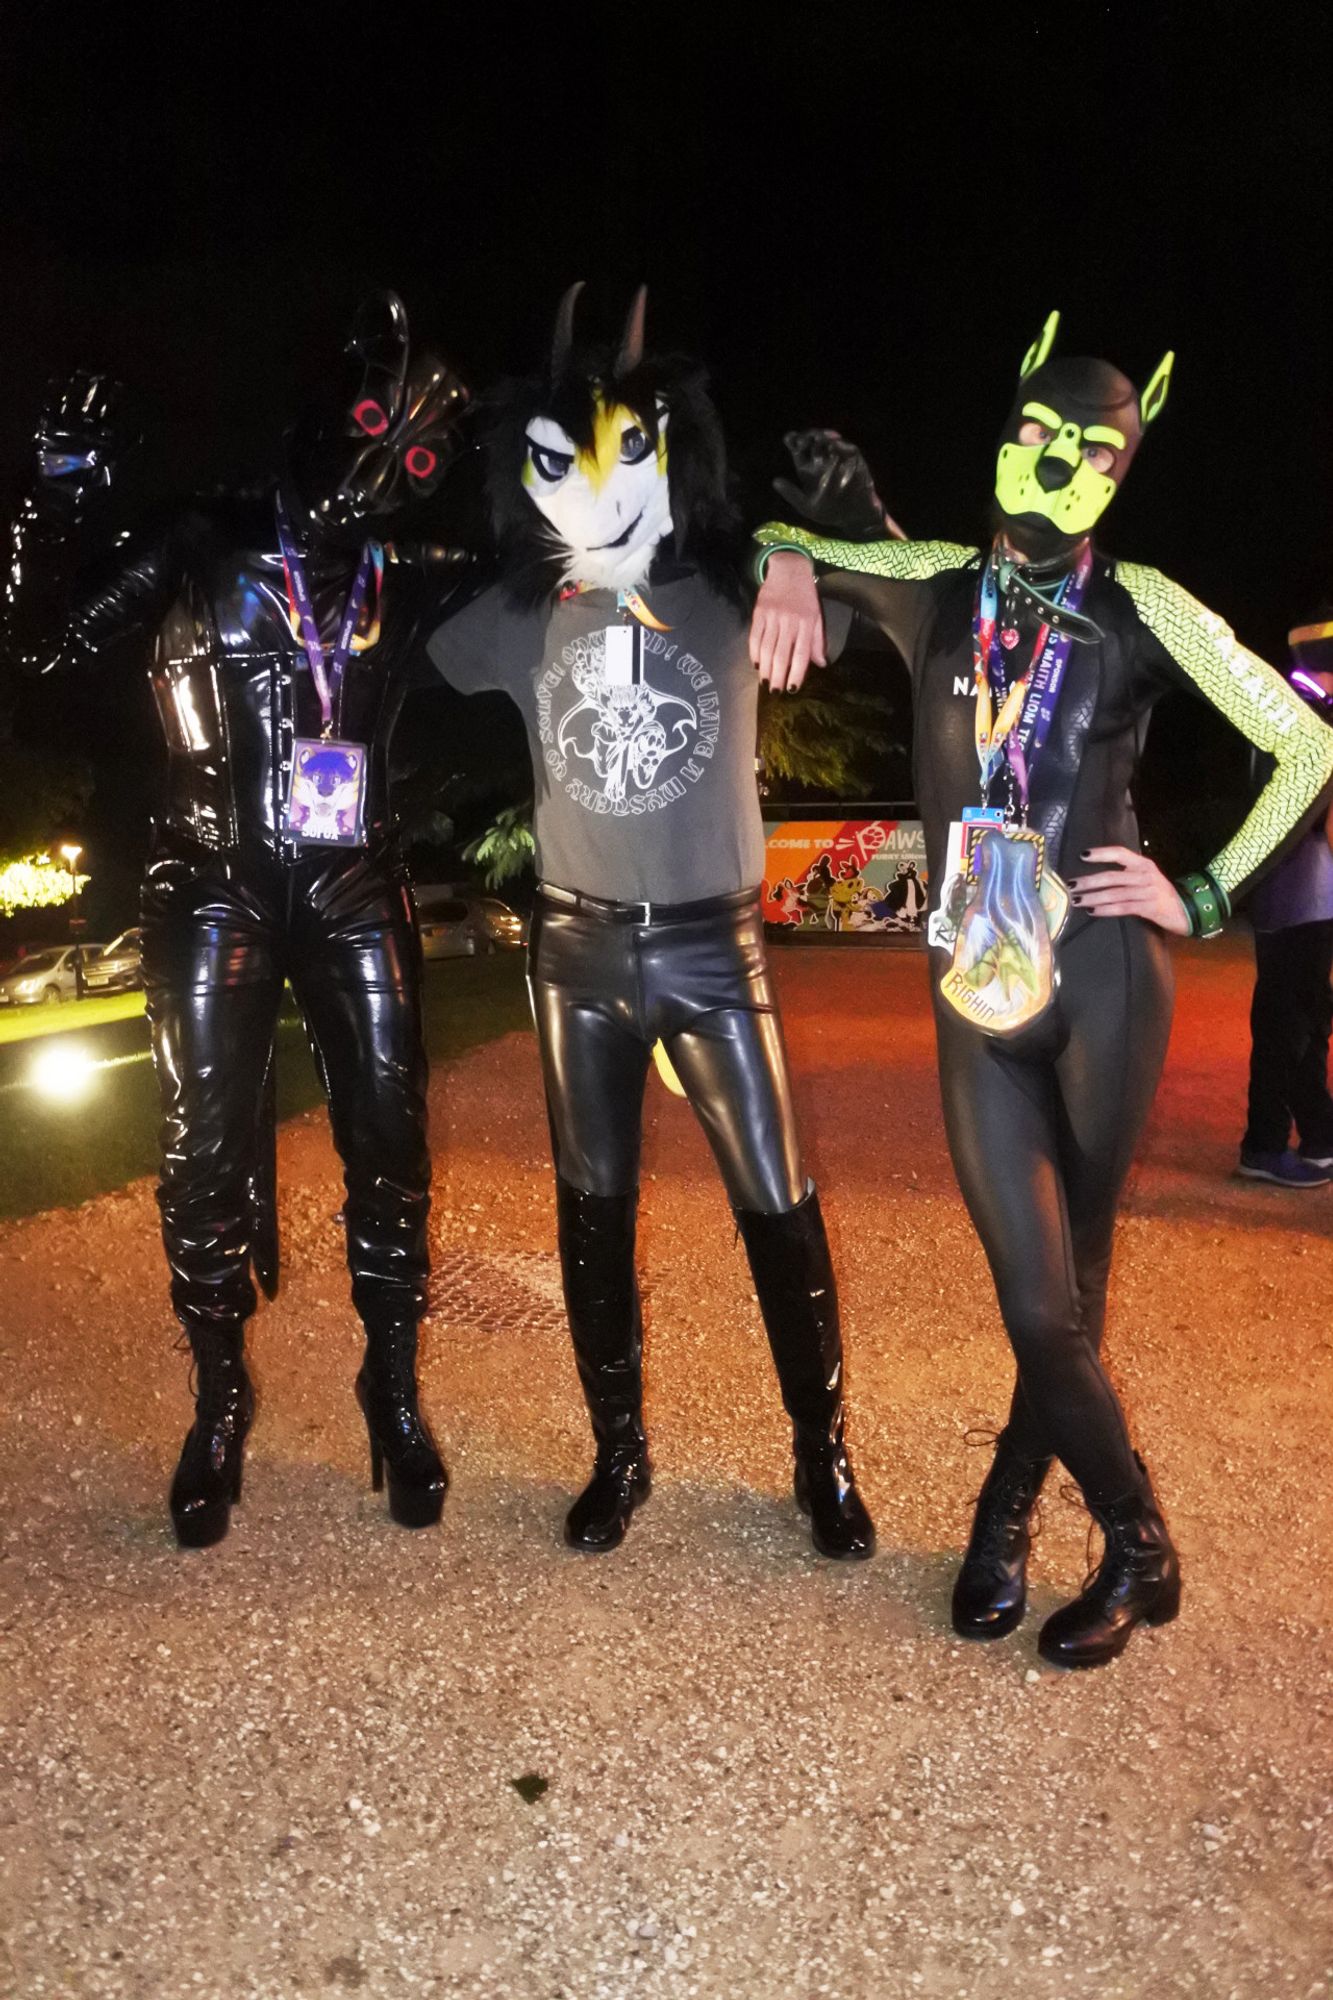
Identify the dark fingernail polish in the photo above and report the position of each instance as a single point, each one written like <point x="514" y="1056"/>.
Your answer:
<point x="1076" y="899"/>
<point x="1085" y="854"/>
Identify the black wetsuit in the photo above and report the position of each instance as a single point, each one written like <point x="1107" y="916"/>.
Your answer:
<point x="1042" y="1126"/>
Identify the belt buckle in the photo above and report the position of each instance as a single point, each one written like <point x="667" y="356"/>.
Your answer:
<point x="647" y="916"/>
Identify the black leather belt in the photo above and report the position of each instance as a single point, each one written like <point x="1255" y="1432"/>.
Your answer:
<point x="645" y="913"/>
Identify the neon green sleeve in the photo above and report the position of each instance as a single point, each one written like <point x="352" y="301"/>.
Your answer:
<point x="904" y="562"/>
<point x="1253" y="697"/>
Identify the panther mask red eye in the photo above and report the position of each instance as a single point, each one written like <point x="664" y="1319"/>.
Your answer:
<point x="372" y="419"/>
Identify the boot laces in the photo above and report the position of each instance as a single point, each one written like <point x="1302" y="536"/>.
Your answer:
<point x="992" y="1539"/>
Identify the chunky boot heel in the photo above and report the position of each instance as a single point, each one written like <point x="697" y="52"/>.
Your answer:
<point x="798" y="1299"/>
<point x="207" y="1482"/>
<point x="1137" y="1582"/>
<point x="990" y="1594"/>
<point x="599" y="1517"/>
<point x="596" y="1235"/>
<point x="401" y="1446"/>
<point x="825" y="1490"/>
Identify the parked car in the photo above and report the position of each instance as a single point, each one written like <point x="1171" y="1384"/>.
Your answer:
<point x="45" y="978"/>
<point x="459" y="923"/>
<point x="116" y="969"/>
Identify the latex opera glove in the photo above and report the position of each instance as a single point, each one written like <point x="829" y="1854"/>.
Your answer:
<point x="834" y="488"/>
<point x="787" y="630"/>
<point x="81" y="438"/>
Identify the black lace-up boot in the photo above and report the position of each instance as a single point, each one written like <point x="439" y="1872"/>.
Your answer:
<point x="793" y="1278"/>
<point x="1137" y="1582"/>
<point x="400" y="1439"/>
<point x="208" y="1477"/>
<point x="990" y="1595"/>
<point x="596" y="1233"/>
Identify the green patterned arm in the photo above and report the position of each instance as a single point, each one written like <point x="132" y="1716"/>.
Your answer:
<point x="1253" y="697"/>
<point x="904" y="562"/>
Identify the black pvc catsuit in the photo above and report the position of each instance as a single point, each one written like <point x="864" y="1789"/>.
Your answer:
<point x="1042" y="1127"/>
<point x="231" y="908"/>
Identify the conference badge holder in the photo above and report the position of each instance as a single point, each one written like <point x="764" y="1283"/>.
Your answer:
<point x="1000" y="913"/>
<point x="326" y="799"/>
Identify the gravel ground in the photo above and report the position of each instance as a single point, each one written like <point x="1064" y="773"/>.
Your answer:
<point x="288" y="1765"/>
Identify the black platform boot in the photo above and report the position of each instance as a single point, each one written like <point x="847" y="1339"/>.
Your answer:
<point x="990" y="1595"/>
<point x="400" y="1439"/>
<point x="602" y="1300"/>
<point x="208" y="1478"/>
<point x="793" y="1277"/>
<point x="1137" y="1582"/>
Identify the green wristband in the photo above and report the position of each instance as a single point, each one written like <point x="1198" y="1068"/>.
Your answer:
<point x="776" y="549"/>
<point x="1207" y="903"/>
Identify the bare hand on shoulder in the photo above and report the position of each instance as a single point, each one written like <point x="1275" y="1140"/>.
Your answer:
<point x="787" y="630"/>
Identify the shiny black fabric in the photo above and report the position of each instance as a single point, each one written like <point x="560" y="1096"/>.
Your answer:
<point x="603" y="993"/>
<point x="1042" y="1132"/>
<point x="231" y="906"/>
<point x="220" y="934"/>
<point x="229" y="674"/>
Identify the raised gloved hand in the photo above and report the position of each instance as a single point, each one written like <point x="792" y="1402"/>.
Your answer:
<point x="834" y="488"/>
<point x="81" y="437"/>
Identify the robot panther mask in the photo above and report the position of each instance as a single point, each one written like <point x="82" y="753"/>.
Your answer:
<point x="1064" y="452"/>
<point x="385" y="442"/>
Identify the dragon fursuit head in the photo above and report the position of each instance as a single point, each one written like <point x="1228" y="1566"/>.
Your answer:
<point x="608" y="458"/>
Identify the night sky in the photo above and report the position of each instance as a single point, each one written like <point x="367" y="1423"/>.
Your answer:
<point x="858" y="215"/>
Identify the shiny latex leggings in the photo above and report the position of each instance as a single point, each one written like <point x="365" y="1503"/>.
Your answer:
<point x="1042" y="1136"/>
<point x="603" y="992"/>
<point x="220" y="937"/>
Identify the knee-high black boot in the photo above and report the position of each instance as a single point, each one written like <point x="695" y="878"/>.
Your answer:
<point x="793" y="1277"/>
<point x="990" y="1595"/>
<point x="1137" y="1582"/>
<point x="596" y="1234"/>
<point x="400" y="1439"/>
<point x="208" y="1476"/>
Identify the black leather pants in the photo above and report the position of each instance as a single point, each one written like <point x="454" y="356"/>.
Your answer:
<point x="1042" y="1133"/>
<point x="604" y="991"/>
<point x="220" y="936"/>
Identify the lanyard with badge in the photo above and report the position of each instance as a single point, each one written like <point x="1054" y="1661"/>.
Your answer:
<point x="1002" y="908"/>
<point x="326" y="799"/>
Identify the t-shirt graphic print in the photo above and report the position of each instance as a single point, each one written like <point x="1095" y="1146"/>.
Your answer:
<point x="627" y="719"/>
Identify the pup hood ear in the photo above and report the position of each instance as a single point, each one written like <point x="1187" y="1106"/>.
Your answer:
<point x="1153" y="400"/>
<point x="1040" y="349"/>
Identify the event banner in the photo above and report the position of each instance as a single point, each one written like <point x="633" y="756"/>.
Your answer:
<point x="855" y="877"/>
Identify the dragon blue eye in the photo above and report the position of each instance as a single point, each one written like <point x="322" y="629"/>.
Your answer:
<point x="549" y="465"/>
<point x="634" y="447"/>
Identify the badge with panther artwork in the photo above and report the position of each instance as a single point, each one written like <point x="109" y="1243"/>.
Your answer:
<point x="326" y="801"/>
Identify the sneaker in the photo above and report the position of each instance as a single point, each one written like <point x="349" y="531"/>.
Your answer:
<point x="1287" y="1169"/>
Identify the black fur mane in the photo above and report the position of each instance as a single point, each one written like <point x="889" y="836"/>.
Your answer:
<point x="708" y="535"/>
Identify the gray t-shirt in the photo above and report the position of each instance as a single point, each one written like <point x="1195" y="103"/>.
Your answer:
<point x="642" y="742"/>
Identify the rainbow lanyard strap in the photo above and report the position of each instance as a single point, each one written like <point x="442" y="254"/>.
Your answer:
<point x="626" y="600"/>
<point x="327" y="668"/>
<point x="1028" y="704"/>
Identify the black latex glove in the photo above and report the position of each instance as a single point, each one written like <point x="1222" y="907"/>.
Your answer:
<point x="834" y="488"/>
<point x="81" y="438"/>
